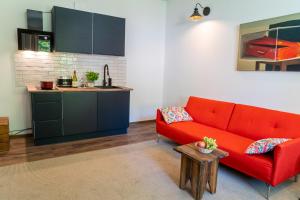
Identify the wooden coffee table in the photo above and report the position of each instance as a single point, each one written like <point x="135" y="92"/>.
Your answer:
<point x="199" y="169"/>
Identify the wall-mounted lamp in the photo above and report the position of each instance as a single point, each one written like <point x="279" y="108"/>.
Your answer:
<point x="196" y="16"/>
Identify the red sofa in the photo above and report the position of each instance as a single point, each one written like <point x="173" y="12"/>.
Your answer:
<point x="235" y="127"/>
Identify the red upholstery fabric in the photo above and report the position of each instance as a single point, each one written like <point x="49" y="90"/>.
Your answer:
<point x="210" y="112"/>
<point x="258" y="166"/>
<point x="259" y="123"/>
<point x="247" y="123"/>
<point x="286" y="161"/>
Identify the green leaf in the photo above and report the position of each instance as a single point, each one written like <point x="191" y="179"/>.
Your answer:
<point x="92" y="76"/>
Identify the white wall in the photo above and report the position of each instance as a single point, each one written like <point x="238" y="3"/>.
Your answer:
<point x="145" y="36"/>
<point x="201" y="57"/>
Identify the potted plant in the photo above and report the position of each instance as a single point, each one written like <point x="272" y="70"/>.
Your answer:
<point x="91" y="77"/>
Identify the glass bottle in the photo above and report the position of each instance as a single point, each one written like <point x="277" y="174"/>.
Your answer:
<point x="74" y="80"/>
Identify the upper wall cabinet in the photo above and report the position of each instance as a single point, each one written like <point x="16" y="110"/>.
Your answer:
<point x="72" y="30"/>
<point x="83" y="32"/>
<point x="108" y="35"/>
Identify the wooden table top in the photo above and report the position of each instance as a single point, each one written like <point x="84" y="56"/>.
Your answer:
<point x="192" y="151"/>
<point x="3" y="121"/>
<point x="35" y="89"/>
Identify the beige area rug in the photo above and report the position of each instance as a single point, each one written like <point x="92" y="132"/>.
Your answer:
<point x="144" y="171"/>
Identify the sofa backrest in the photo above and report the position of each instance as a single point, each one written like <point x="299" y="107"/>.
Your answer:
<point x="259" y="123"/>
<point x="210" y="112"/>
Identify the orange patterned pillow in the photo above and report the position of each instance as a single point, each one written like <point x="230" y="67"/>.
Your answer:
<point x="175" y="114"/>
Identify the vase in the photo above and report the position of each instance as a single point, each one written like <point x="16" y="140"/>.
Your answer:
<point x="91" y="84"/>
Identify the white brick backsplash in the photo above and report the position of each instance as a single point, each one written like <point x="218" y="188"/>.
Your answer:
<point x="33" y="67"/>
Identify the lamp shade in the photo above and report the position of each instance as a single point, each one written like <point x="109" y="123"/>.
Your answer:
<point x="196" y="15"/>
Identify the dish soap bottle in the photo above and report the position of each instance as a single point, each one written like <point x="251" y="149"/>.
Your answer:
<point x="74" y="80"/>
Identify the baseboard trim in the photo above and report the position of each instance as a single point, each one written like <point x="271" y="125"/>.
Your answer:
<point x="144" y="121"/>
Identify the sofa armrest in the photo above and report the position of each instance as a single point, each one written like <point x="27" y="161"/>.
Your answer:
<point x="159" y="116"/>
<point x="159" y="120"/>
<point x="286" y="161"/>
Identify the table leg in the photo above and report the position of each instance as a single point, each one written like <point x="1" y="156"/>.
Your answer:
<point x="184" y="170"/>
<point x="283" y="66"/>
<point x="257" y="66"/>
<point x="213" y="176"/>
<point x="194" y="178"/>
<point x="202" y="181"/>
<point x="188" y="170"/>
<point x="273" y="67"/>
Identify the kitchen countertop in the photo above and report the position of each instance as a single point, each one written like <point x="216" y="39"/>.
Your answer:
<point x="35" y="89"/>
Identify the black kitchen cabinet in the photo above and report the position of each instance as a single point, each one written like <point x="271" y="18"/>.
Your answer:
<point x="113" y="110"/>
<point x="77" y="31"/>
<point x="46" y="114"/>
<point x="47" y="129"/>
<point x="108" y="35"/>
<point x="67" y="116"/>
<point x="80" y="112"/>
<point x="72" y="30"/>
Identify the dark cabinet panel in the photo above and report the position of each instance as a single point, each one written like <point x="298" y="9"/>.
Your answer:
<point x="108" y="35"/>
<point x="72" y="30"/>
<point x="46" y="106"/>
<point x="47" y="129"/>
<point x="80" y="112"/>
<point x="46" y="97"/>
<point x="113" y="110"/>
<point x="47" y="111"/>
<point x="47" y="115"/>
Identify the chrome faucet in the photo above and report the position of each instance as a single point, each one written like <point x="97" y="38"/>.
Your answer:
<point x="106" y="72"/>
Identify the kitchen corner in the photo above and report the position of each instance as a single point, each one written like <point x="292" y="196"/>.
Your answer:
<point x="66" y="114"/>
<point x="60" y="70"/>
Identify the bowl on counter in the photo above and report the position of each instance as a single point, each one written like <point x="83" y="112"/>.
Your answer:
<point x="47" y="85"/>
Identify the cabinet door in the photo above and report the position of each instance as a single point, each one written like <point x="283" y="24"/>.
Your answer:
<point x="47" y="129"/>
<point x="46" y="115"/>
<point x="46" y="110"/>
<point x="113" y="110"/>
<point x="72" y="30"/>
<point x="108" y="35"/>
<point x="80" y="112"/>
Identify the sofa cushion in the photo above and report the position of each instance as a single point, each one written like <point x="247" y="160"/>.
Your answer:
<point x="175" y="114"/>
<point x="210" y="112"/>
<point x="193" y="131"/>
<point x="258" y="166"/>
<point x="259" y="123"/>
<point x="265" y="145"/>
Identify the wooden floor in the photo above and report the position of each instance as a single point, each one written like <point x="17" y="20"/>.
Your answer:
<point x="22" y="148"/>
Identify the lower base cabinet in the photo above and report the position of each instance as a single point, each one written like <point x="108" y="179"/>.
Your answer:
<point x="79" y="112"/>
<point x="47" y="114"/>
<point x="58" y="117"/>
<point x="46" y="129"/>
<point x="113" y="110"/>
